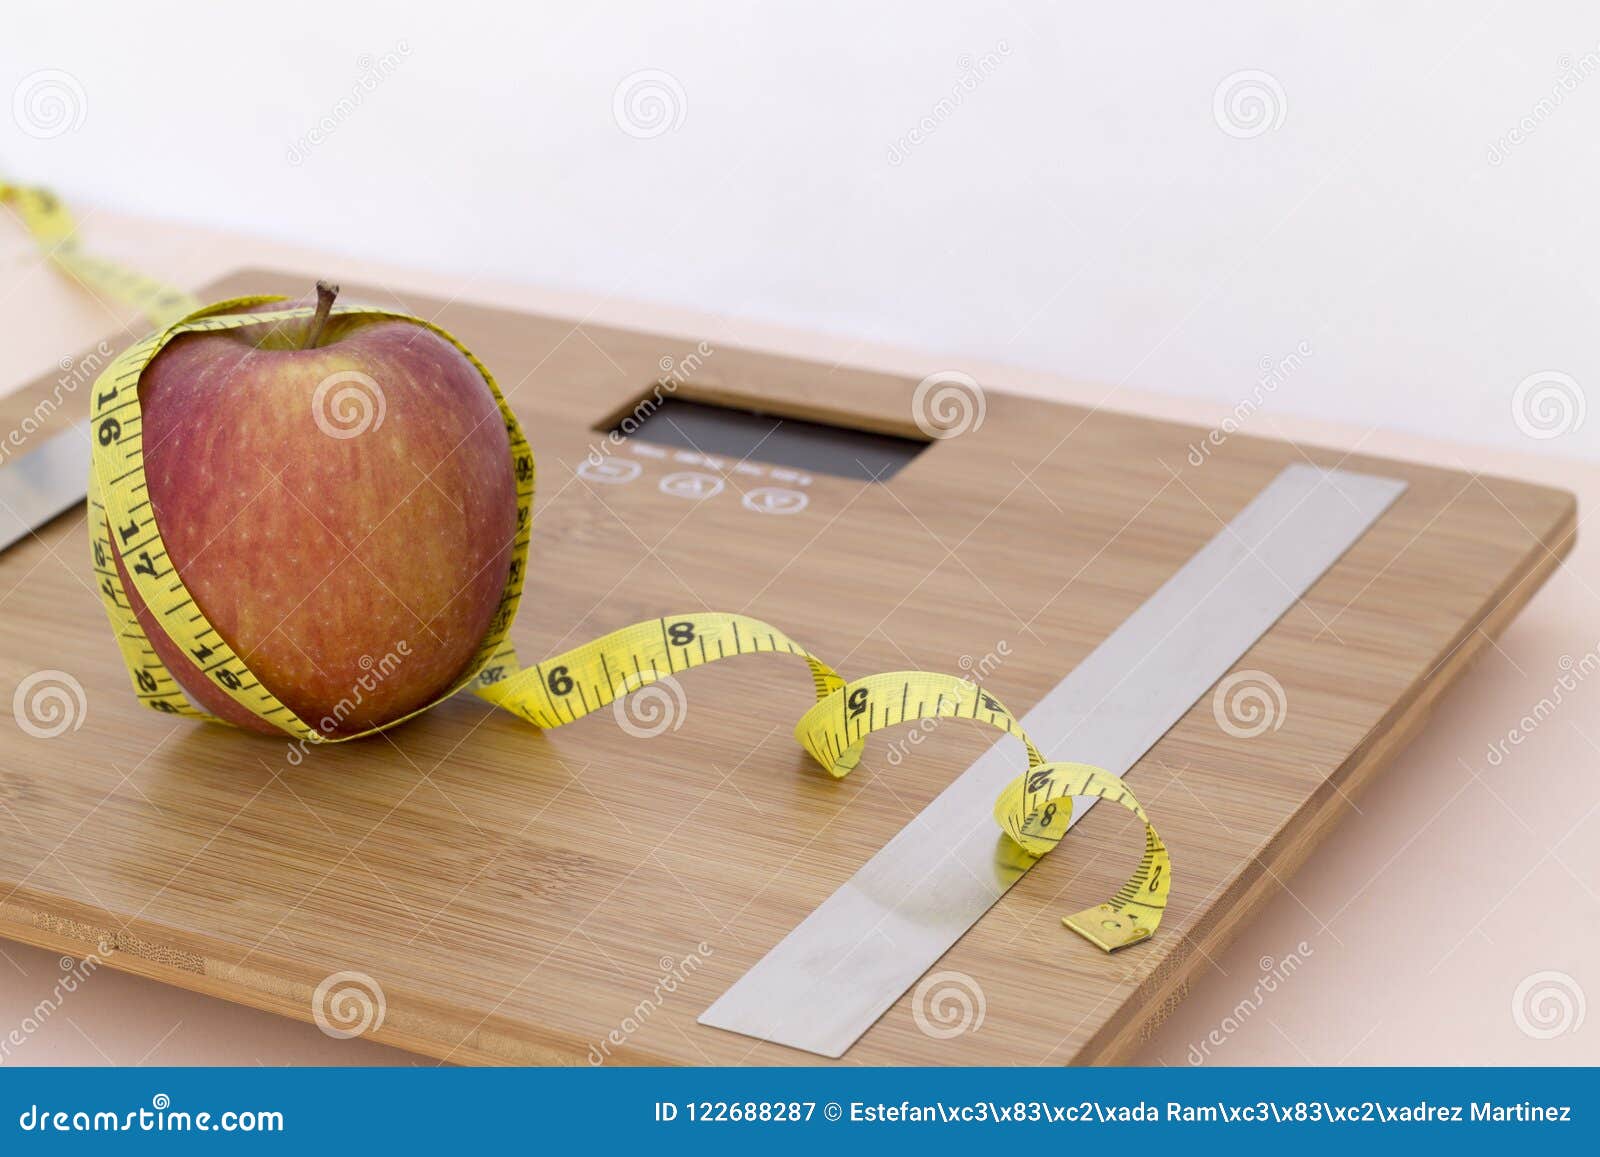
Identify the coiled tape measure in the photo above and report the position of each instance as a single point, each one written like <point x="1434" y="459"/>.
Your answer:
<point x="1033" y="810"/>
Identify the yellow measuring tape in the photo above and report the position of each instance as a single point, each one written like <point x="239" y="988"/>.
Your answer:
<point x="1033" y="810"/>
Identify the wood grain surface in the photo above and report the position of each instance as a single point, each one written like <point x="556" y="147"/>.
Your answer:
<point x="583" y="894"/>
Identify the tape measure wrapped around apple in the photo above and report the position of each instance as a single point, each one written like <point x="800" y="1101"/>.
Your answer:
<point x="250" y="583"/>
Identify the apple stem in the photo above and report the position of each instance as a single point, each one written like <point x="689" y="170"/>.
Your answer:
<point x="326" y="292"/>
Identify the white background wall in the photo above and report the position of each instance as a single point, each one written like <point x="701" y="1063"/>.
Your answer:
<point x="1085" y="207"/>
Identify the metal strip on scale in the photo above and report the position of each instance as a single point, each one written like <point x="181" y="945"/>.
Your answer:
<point x="46" y="481"/>
<point x="842" y="967"/>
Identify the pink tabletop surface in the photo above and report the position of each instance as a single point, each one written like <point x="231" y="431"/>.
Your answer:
<point x="1452" y="918"/>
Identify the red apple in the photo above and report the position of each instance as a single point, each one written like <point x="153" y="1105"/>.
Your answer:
<point x="332" y="491"/>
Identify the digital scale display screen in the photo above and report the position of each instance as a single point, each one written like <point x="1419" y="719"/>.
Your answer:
<point x="724" y="432"/>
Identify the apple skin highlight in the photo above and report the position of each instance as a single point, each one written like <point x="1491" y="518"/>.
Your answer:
<point x="316" y="551"/>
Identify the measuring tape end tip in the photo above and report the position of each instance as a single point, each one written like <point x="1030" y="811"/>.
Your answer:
<point x="1106" y="928"/>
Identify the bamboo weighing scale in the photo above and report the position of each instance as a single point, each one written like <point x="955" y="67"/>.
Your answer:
<point x="589" y="894"/>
